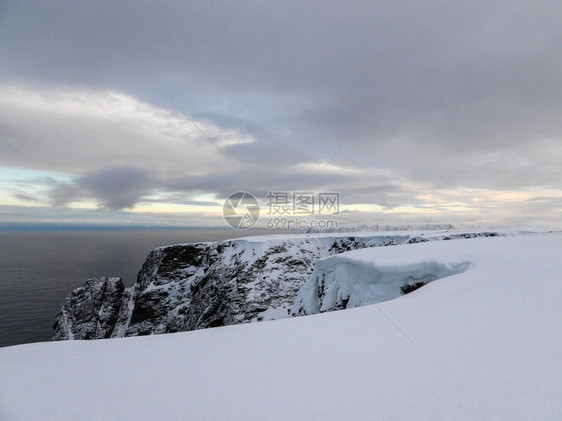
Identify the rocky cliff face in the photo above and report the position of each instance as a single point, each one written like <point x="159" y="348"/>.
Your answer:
<point x="90" y="312"/>
<point x="200" y="285"/>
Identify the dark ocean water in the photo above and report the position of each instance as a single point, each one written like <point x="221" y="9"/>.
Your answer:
<point x="38" y="269"/>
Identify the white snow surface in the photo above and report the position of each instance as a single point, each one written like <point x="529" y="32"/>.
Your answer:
<point x="485" y="343"/>
<point x="361" y="277"/>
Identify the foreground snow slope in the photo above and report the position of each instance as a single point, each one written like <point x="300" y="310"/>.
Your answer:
<point x="482" y="344"/>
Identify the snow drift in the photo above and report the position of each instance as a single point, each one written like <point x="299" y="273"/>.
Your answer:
<point x="482" y="344"/>
<point x="344" y="281"/>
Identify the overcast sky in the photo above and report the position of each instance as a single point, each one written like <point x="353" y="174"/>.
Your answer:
<point x="463" y="104"/>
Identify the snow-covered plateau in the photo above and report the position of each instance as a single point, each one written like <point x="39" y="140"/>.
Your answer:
<point x="482" y="340"/>
<point x="200" y="285"/>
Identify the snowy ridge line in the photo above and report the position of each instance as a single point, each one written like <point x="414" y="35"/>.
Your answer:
<point x="372" y="228"/>
<point x="350" y="227"/>
<point x="200" y="285"/>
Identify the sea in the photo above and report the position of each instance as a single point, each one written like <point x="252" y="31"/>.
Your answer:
<point x="39" y="268"/>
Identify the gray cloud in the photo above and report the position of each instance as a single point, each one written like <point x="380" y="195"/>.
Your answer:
<point x="26" y="197"/>
<point x="113" y="189"/>
<point x="298" y="78"/>
<point x="117" y="187"/>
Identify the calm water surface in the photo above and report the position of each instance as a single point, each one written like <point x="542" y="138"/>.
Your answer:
<point x="38" y="269"/>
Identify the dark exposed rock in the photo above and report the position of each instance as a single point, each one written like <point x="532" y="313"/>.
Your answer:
<point x="90" y="312"/>
<point x="201" y="285"/>
<point x="406" y="289"/>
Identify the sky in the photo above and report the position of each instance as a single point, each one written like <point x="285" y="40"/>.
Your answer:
<point x="152" y="113"/>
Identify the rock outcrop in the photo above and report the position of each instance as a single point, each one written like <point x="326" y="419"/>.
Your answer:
<point x="90" y="312"/>
<point x="195" y="286"/>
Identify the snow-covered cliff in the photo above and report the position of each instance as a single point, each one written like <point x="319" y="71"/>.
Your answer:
<point x="195" y="286"/>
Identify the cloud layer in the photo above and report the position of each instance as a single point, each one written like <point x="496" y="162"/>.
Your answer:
<point x="281" y="87"/>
